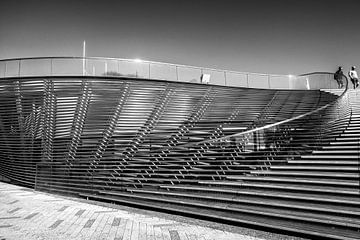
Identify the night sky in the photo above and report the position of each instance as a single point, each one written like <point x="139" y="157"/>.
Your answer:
<point x="282" y="36"/>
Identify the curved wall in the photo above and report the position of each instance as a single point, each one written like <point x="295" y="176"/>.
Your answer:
<point x="89" y="119"/>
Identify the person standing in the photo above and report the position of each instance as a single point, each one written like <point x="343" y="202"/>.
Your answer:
<point x="354" y="77"/>
<point x="338" y="76"/>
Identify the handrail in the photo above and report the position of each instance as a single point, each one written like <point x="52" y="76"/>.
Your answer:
<point x="273" y="124"/>
<point x="136" y="61"/>
<point x="143" y="69"/>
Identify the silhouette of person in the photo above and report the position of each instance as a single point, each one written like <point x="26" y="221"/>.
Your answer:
<point x="338" y="76"/>
<point x="354" y="77"/>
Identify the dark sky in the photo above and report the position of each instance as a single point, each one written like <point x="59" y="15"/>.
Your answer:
<point x="282" y="36"/>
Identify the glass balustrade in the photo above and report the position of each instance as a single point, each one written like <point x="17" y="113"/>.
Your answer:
<point x="113" y="67"/>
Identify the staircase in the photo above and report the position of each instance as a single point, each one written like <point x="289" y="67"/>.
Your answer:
<point x="315" y="194"/>
<point x="196" y="150"/>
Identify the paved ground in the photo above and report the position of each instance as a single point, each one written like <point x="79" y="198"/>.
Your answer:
<point x="26" y="214"/>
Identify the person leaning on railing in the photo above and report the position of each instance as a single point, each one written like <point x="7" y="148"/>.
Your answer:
<point x="338" y="76"/>
<point x="354" y="77"/>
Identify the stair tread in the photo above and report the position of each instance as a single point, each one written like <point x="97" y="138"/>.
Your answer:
<point x="309" y="173"/>
<point x="302" y="216"/>
<point x="298" y="180"/>
<point x="288" y="195"/>
<point x="354" y="156"/>
<point x="298" y="187"/>
<point x="351" y="162"/>
<point x="292" y="204"/>
<point x="316" y="167"/>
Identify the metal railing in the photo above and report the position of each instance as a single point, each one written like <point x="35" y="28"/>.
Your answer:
<point x="130" y="68"/>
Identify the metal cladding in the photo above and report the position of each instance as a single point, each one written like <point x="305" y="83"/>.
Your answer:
<point x="90" y="120"/>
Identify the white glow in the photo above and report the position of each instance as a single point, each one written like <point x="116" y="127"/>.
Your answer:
<point x="138" y="60"/>
<point x="290" y="75"/>
<point x="307" y="84"/>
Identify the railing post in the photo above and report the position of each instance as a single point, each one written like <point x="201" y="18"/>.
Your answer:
<point x="19" y="66"/>
<point x="83" y="66"/>
<point x="5" y="71"/>
<point x="51" y="67"/>
<point x="177" y="73"/>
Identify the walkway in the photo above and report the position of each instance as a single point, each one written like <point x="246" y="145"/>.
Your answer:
<point x="26" y="214"/>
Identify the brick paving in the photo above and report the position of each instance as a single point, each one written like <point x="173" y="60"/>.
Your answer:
<point x="26" y="214"/>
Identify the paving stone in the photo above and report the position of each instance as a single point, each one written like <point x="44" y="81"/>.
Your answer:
<point x="89" y="223"/>
<point x="2" y="218"/>
<point x="63" y="208"/>
<point x="56" y="224"/>
<point x="116" y="222"/>
<point x="106" y="230"/>
<point x="5" y="226"/>
<point x="87" y="232"/>
<point x="174" y="235"/>
<point x="80" y="212"/>
<point x="14" y="210"/>
<point x="121" y="230"/>
<point x="31" y="216"/>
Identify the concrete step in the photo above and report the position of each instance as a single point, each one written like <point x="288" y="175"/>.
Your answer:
<point x="236" y="186"/>
<point x="330" y="175"/>
<point x="327" y="156"/>
<point x="205" y="195"/>
<point x="287" y="179"/>
<point x="303" y="187"/>
<point x="337" y="151"/>
<point x="324" y="162"/>
<point x="345" y="143"/>
<point x="341" y="147"/>
<point x="349" y="135"/>
<point x="318" y="168"/>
